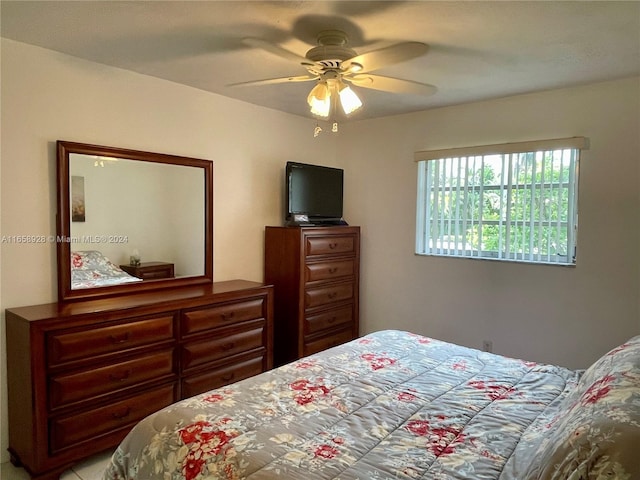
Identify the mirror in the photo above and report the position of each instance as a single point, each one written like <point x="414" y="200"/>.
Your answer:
<point x="131" y="221"/>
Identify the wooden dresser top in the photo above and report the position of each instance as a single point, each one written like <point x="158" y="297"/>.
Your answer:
<point x="138" y="303"/>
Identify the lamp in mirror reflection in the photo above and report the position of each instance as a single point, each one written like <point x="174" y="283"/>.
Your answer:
<point x="101" y="161"/>
<point x="134" y="258"/>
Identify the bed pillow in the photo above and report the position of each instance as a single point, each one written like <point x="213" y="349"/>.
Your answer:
<point x="596" y="434"/>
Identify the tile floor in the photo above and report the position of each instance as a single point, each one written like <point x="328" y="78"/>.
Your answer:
<point x="91" y="469"/>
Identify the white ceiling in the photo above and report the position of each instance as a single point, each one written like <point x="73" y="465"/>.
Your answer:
<point x="479" y="50"/>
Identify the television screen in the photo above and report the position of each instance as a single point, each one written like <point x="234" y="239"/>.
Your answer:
<point x="314" y="191"/>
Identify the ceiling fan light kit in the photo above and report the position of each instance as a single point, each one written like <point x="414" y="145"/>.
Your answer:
<point x="332" y="63"/>
<point x="322" y="97"/>
<point x="319" y="100"/>
<point x="348" y="99"/>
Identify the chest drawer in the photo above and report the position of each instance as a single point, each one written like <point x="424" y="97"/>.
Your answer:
<point x="212" y="349"/>
<point x="64" y="347"/>
<point x="91" y="424"/>
<point x="328" y="319"/>
<point x="329" y="270"/>
<point x="85" y="384"/>
<point x="194" y="321"/>
<point x="330" y="245"/>
<point x="328" y="294"/>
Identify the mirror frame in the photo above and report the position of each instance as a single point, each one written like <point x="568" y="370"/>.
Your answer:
<point x="63" y="221"/>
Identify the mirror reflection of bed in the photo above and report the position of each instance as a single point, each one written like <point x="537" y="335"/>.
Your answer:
<point x="92" y="269"/>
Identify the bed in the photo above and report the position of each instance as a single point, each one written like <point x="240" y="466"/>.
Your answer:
<point x="396" y="405"/>
<point x="91" y="268"/>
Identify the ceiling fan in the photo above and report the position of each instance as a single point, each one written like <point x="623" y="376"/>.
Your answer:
<point x="334" y="65"/>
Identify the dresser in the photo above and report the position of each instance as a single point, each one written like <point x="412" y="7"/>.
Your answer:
<point x="81" y="374"/>
<point x="315" y="273"/>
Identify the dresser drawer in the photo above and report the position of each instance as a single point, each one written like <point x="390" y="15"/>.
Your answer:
<point x="150" y="270"/>
<point x="64" y="347"/>
<point x="219" y="377"/>
<point x="216" y="348"/>
<point x="329" y="270"/>
<point x="194" y="321"/>
<point x="154" y="273"/>
<point x="328" y="294"/>
<point x="328" y="319"/>
<point x="330" y="245"/>
<point x="328" y="342"/>
<point x="73" y="387"/>
<point x="90" y="424"/>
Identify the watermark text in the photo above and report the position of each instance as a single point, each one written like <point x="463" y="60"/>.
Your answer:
<point x="31" y="239"/>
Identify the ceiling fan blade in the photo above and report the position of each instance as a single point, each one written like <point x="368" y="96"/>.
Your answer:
<point x="383" y="57"/>
<point x="271" y="81"/>
<point x="388" y="84"/>
<point x="275" y="49"/>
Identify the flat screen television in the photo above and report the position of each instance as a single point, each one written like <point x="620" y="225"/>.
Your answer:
<point x="313" y="194"/>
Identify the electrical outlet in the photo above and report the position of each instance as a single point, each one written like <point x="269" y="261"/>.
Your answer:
<point x="487" y="345"/>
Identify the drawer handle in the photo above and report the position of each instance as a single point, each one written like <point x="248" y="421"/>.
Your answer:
<point x="119" y="339"/>
<point x="332" y="319"/>
<point x="332" y="295"/>
<point x="120" y="377"/>
<point x="333" y="270"/>
<point x="333" y="246"/>
<point x="120" y="415"/>
<point x="228" y="346"/>
<point x="228" y="376"/>
<point x="228" y="316"/>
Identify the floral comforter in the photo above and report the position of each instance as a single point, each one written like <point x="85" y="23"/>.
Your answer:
<point x="92" y="269"/>
<point x="395" y="405"/>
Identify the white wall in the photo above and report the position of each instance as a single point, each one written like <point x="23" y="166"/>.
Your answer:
<point x="47" y="96"/>
<point x="552" y="314"/>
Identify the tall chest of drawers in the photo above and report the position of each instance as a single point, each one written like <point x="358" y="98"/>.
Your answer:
<point x="81" y="374"/>
<point x="315" y="273"/>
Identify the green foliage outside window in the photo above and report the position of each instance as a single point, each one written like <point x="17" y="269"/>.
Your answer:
<point x="509" y="205"/>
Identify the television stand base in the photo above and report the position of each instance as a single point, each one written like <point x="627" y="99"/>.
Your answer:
<point x="334" y="223"/>
<point x="315" y="222"/>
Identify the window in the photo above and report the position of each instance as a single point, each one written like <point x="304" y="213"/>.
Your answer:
<point x="515" y="202"/>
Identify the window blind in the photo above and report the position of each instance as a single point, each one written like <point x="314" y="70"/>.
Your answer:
<point x="580" y="143"/>
<point x="507" y="202"/>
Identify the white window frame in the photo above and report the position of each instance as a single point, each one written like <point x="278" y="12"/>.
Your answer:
<point x="444" y="179"/>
